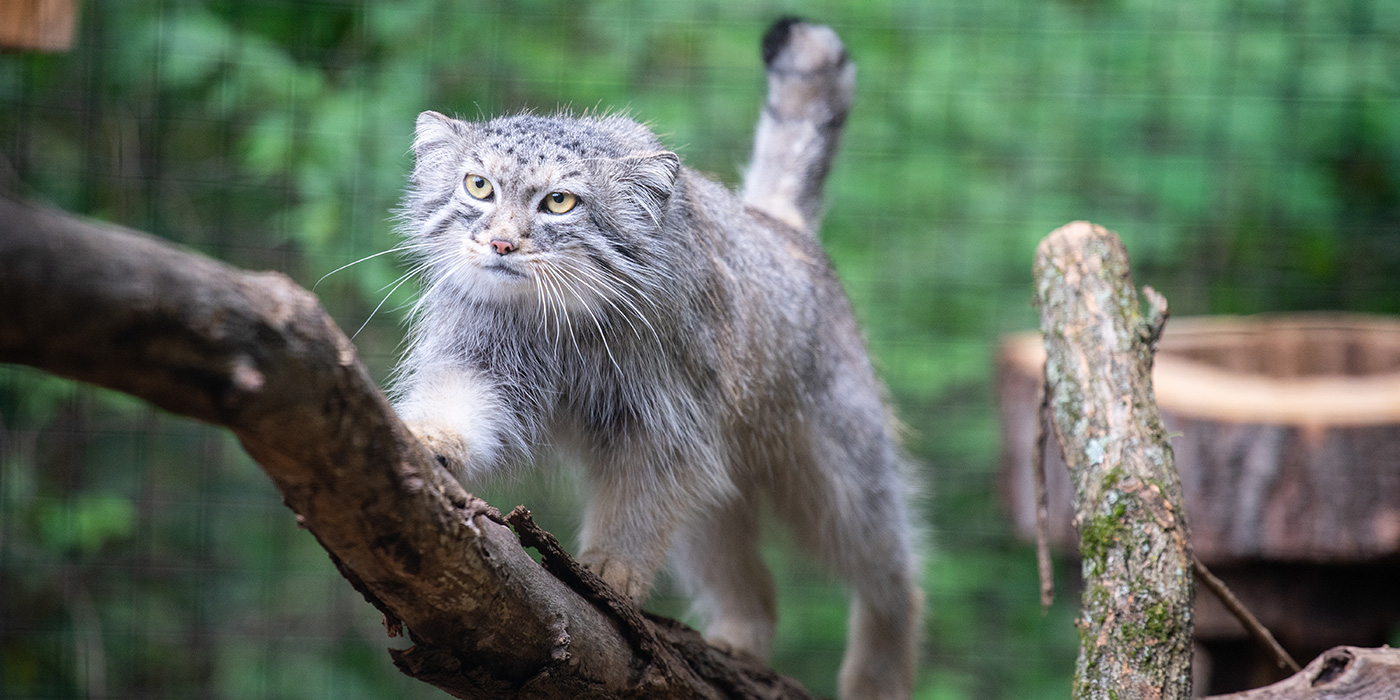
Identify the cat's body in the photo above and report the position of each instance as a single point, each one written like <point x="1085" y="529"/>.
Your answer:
<point x="692" y="353"/>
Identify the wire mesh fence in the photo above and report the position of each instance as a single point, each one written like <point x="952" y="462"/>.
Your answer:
<point x="1247" y="150"/>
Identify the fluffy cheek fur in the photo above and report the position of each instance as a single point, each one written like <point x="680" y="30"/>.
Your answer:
<point x="461" y="265"/>
<point x="562" y="265"/>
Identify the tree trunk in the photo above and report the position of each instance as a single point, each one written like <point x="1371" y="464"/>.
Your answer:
<point x="1135" y="629"/>
<point x="255" y="353"/>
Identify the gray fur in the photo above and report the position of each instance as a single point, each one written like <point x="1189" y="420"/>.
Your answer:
<point x="811" y="83"/>
<point x="694" y="357"/>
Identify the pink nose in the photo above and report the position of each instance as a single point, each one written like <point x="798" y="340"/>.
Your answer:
<point x="502" y="246"/>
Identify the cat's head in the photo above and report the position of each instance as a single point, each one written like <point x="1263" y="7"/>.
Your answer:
<point x="565" y="212"/>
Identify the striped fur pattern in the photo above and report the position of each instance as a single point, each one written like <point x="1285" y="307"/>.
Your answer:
<point x="690" y="351"/>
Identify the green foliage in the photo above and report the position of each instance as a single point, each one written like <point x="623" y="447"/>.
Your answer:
<point x="1246" y="150"/>
<point x="84" y="524"/>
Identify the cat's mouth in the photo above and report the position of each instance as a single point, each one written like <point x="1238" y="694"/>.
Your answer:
<point x="500" y="267"/>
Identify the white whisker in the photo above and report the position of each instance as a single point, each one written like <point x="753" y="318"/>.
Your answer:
<point x="546" y="294"/>
<point x="434" y="285"/>
<point x="624" y="297"/>
<point x="602" y="336"/>
<point x="557" y="285"/>
<point x="410" y="246"/>
<point x="608" y="294"/>
<point x="606" y="298"/>
<point x="547" y="290"/>
<point x="402" y="279"/>
<point x="540" y="300"/>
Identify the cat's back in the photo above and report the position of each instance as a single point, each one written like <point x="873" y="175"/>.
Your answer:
<point x="772" y="299"/>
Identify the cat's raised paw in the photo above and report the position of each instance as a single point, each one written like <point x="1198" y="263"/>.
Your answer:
<point x="447" y="445"/>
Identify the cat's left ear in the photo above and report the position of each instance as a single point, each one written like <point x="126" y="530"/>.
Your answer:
<point x="433" y="130"/>
<point x="650" y="179"/>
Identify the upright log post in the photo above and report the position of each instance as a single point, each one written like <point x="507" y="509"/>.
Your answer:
<point x="1135" y="629"/>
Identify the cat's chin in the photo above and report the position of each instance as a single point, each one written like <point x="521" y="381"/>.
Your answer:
<point x="509" y="289"/>
<point x="503" y="271"/>
<point x="497" y="284"/>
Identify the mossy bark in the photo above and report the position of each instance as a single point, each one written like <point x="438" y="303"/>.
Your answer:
<point x="1135" y="629"/>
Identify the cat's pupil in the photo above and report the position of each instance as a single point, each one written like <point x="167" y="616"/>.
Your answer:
<point x="558" y="197"/>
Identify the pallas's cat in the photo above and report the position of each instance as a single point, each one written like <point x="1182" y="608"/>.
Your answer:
<point x="689" y="349"/>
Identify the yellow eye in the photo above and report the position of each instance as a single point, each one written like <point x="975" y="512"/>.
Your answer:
<point x="478" y="186"/>
<point x="560" y="202"/>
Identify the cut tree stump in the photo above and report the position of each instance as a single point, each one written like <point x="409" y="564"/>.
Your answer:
<point x="1286" y="431"/>
<point x="38" y="25"/>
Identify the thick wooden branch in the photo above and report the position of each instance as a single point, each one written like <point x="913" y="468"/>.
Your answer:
<point x="1135" y="629"/>
<point x="1342" y="673"/>
<point x="255" y="353"/>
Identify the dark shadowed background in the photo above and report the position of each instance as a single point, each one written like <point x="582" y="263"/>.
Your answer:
<point x="1247" y="150"/>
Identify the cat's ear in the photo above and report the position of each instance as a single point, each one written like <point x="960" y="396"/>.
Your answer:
<point x="434" y="130"/>
<point x="650" y="179"/>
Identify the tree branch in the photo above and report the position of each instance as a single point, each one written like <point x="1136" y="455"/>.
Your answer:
<point x="255" y="353"/>
<point x="1340" y="673"/>
<point x="1045" y="567"/>
<point x="1261" y="634"/>
<point x="1135" y="629"/>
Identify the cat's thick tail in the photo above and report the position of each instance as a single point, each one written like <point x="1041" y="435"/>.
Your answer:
<point x="811" y="82"/>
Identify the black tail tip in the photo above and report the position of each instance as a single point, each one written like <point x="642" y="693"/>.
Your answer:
<point x="777" y="36"/>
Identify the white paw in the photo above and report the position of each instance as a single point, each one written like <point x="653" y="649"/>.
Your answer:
<point x="446" y="444"/>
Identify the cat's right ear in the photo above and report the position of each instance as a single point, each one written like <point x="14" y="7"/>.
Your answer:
<point x="434" y="130"/>
<point x="650" y="178"/>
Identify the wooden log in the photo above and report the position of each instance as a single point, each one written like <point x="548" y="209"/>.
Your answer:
<point x="255" y="353"/>
<point x="1342" y="673"/>
<point x="1135" y="628"/>
<point x="1285" y="430"/>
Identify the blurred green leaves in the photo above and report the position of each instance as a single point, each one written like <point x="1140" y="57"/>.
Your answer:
<point x="83" y="525"/>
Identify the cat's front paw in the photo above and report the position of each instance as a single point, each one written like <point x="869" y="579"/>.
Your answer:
<point x="446" y="444"/>
<point x="620" y="574"/>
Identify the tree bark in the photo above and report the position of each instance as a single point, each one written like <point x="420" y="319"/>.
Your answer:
<point x="1135" y="629"/>
<point x="255" y="353"/>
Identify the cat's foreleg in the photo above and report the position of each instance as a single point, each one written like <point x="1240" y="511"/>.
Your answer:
<point x="459" y="416"/>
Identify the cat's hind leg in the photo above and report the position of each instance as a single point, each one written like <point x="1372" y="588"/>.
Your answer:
<point x="717" y="562"/>
<point x="849" y="508"/>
